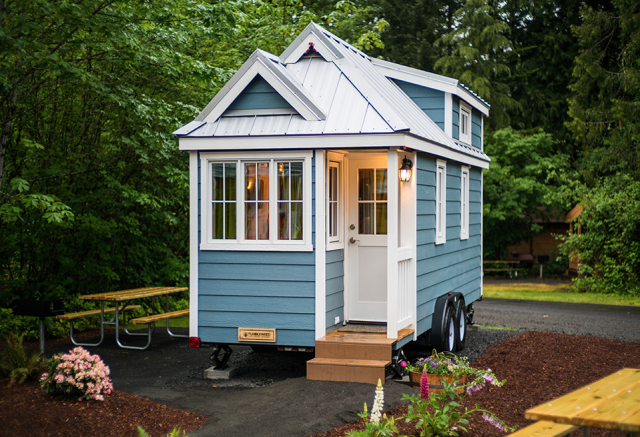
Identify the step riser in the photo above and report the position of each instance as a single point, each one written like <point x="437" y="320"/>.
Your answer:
<point x="363" y="374"/>
<point x="352" y="351"/>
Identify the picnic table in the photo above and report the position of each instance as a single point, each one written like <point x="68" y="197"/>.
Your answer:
<point x="122" y="303"/>
<point x="612" y="402"/>
<point x="511" y="267"/>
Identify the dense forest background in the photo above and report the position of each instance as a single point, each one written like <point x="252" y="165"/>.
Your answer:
<point x="94" y="192"/>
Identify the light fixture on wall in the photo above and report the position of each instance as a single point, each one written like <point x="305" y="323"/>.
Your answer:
<point x="405" y="170"/>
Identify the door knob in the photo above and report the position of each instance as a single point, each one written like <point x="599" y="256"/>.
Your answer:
<point x="352" y="240"/>
<point x="352" y="226"/>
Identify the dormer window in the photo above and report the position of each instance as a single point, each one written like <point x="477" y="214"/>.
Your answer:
<point x="465" y="124"/>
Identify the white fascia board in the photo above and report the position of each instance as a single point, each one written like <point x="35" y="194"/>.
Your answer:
<point x="425" y="79"/>
<point x="259" y="68"/>
<point x="321" y="48"/>
<point x="354" y="141"/>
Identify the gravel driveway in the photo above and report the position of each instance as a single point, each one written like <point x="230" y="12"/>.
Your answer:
<point x="270" y="396"/>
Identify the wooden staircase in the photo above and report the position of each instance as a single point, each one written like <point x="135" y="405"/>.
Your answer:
<point x="353" y="357"/>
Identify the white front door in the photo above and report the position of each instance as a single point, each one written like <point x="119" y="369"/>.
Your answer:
<point x="367" y="239"/>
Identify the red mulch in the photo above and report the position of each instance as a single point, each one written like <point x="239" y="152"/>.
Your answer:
<point x="538" y="367"/>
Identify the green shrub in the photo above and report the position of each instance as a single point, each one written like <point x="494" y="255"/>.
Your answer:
<point x="15" y="362"/>
<point x="609" y="243"/>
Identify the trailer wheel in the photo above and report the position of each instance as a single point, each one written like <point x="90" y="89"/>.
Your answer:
<point x="448" y="330"/>
<point x="461" y="324"/>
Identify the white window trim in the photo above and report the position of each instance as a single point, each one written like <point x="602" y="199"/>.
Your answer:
<point x="273" y="244"/>
<point x="465" y="138"/>
<point x="464" y="203"/>
<point x="336" y="160"/>
<point x="441" y="188"/>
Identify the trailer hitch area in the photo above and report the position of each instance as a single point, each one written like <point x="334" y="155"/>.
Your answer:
<point x="220" y="363"/>
<point x="396" y="363"/>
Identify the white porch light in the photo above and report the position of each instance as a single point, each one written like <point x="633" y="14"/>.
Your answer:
<point x="405" y="170"/>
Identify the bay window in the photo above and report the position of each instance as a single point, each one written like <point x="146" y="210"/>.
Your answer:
<point x="259" y="201"/>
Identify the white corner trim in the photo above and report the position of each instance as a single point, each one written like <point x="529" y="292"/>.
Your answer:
<point x="321" y="254"/>
<point x="392" y="244"/>
<point x="442" y="190"/>
<point x="448" y="114"/>
<point x="193" y="244"/>
<point x="481" y="233"/>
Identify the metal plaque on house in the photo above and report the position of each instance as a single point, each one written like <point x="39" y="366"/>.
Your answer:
<point x="257" y="334"/>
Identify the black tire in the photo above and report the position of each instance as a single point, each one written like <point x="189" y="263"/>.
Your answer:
<point x="448" y="331"/>
<point x="460" y="325"/>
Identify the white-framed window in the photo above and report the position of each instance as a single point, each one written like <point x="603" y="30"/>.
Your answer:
<point x="465" y="124"/>
<point x="334" y="202"/>
<point x="441" y="202"/>
<point x="256" y="201"/>
<point x="464" y="203"/>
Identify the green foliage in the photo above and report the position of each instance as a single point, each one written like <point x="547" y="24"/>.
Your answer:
<point x="606" y="88"/>
<point x="15" y="362"/>
<point x="442" y="415"/>
<point x="523" y="177"/>
<point x="476" y="55"/>
<point x="176" y="432"/>
<point x="608" y="245"/>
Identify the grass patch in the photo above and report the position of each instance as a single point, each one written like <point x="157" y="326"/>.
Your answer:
<point x="498" y="328"/>
<point x="554" y="293"/>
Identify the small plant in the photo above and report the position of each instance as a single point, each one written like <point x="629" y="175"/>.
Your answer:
<point x="177" y="432"/>
<point x="378" y="424"/>
<point x="14" y="361"/>
<point x="441" y="414"/>
<point x="445" y="363"/>
<point x="77" y="373"/>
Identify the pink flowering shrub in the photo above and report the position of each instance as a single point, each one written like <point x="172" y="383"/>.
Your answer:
<point x="77" y="373"/>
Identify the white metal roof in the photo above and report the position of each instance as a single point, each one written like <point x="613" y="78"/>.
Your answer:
<point x="338" y="90"/>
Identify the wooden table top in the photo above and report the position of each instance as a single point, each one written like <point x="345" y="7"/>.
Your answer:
<point x="136" y="293"/>
<point x="612" y="402"/>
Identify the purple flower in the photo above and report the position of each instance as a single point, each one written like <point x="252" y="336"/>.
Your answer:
<point x="424" y="385"/>
<point x="433" y="364"/>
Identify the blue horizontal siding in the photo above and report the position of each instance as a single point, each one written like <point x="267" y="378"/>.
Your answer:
<point x="454" y="266"/>
<point x="233" y="287"/>
<point x="476" y="128"/>
<point x="334" y="289"/>
<point x="284" y="337"/>
<point x="429" y="100"/>
<point x="455" y="119"/>
<point x="259" y="95"/>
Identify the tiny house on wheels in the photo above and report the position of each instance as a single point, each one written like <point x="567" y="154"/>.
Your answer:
<point x="336" y="206"/>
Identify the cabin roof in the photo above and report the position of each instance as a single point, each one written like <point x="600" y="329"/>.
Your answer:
<point x="331" y="88"/>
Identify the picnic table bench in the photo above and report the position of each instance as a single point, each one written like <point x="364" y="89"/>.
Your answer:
<point x="122" y="300"/>
<point x="510" y="267"/>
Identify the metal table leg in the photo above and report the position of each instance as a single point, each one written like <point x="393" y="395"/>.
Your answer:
<point x="124" y="346"/>
<point x="102" y="322"/>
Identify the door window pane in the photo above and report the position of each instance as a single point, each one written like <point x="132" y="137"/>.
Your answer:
<point x="365" y="218"/>
<point x="365" y="184"/>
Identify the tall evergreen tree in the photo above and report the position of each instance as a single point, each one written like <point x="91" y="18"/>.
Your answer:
<point x="477" y="51"/>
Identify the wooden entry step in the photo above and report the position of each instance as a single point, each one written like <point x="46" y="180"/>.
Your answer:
<point x="353" y="357"/>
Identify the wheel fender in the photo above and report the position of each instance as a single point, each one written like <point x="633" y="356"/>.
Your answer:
<point x="438" y="314"/>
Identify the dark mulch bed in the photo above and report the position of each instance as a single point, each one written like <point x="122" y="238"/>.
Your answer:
<point x="28" y="410"/>
<point x="538" y="366"/>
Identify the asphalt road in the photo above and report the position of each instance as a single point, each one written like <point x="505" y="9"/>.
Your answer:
<point x="615" y="322"/>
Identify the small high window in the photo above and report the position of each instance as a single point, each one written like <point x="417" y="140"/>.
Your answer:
<point x="465" y="124"/>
